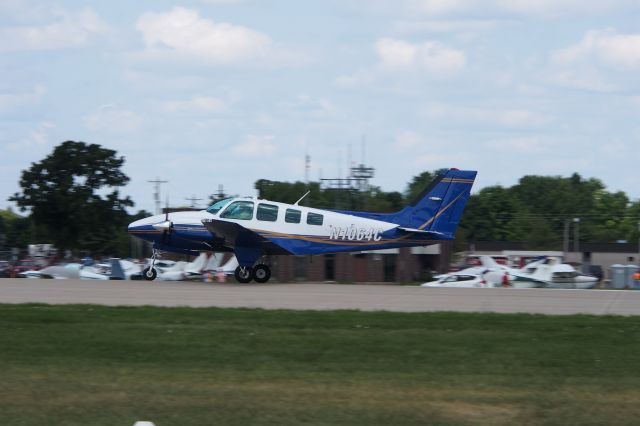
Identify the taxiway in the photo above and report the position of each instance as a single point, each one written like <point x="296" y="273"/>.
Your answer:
<point x="321" y="296"/>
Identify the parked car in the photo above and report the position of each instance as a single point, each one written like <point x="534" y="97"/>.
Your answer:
<point x="5" y="269"/>
<point x="23" y="266"/>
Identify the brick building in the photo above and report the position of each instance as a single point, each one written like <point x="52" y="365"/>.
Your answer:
<point x="392" y="265"/>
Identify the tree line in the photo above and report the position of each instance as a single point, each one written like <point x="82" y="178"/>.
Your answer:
<point x="536" y="210"/>
<point x="72" y="199"/>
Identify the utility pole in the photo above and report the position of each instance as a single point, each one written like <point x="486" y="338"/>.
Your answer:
<point x="156" y="194"/>
<point x="565" y="241"/>
<point x="307" y="164"/>
<point x="576" y="234"/>
<point x="218" y="195"/>
<point x="193" y="200"/>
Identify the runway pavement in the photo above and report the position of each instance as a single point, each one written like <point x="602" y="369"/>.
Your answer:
<point x="320" y="296"/>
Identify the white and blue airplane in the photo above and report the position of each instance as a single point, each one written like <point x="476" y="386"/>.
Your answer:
<point x="252" y="228"/>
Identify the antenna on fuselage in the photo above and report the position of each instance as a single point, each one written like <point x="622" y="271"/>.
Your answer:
<point x="306" y="193"/>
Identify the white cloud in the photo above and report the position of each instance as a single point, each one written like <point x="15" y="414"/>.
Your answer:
<point x="443" y="7"/>
<point x="534" y="8"/>
<point x="221" y="1"/>
<point x="110" y="119"/>
<point x="184" y="32"/>
<point x="430" y="56"/>
<point x="502" y="117"/>
<point x="195" y="105"/>
<point x="16" y="101"/>
<point x="605" y="48"/>
<point x="256" y="146"/>
<point x="431" y="161"/>
<point x="587" y="78"/>
<point x="602" y="61"/>
<point x="40" y="135"/>
<point x="36" y="139"/>
<point x="362" y="78"/>
<point x="555" y="8"/>
<point x="319" y="108"/>
<point x="523" y="145"/>
<point x="408" y="141"/>
<point x="152" y="80"/>
<point x="69" y="30"/>
<point x="446" y="25"/>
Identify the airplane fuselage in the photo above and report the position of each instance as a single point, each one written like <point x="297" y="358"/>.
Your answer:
<point x="252" y="227"/>
<point x="328" y="232"/>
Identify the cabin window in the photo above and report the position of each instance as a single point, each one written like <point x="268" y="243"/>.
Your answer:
<point x="314" y="218"/>
<point x="218" y="205"/>
<point x="242" y="210"/>
<point x="267" y="212"/>
<point x="292" y="216"/>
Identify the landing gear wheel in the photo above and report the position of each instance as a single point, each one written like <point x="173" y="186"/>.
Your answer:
<point x="149" y="273"/>
<point x="244" y="274"/>
<point x="261" y="273"/>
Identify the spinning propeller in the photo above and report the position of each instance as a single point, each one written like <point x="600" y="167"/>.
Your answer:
<point x="167" y="226"/>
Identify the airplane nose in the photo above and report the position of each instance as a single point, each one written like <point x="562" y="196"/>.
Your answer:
<point x="144" y="226"/>
<point x="133" y="226"/>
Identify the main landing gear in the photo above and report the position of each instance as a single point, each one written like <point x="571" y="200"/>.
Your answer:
<point x="260" y="273"/>
<point x="149" y="273"/>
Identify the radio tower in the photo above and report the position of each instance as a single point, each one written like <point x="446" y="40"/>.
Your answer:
<point x="156" y="194"/>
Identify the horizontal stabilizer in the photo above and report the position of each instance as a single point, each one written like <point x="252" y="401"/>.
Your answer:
<point x="422" y="231"/>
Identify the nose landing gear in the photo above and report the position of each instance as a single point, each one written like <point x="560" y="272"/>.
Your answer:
<point x="244" y="274"/>
<point x="149" y="273"/>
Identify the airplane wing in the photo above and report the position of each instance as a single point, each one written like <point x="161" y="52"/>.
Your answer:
<point x="235" y="234"/>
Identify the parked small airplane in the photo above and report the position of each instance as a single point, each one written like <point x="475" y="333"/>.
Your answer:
<point x="252" y="228"/>
<point x="545" y="272"/>
<point x="518" y="278"/>
<point x="463" y="280"/>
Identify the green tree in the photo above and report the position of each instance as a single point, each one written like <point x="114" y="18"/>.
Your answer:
<point x="420" y="182"/>
<point x="19" y="232"/>
<point x="609" y="219"/>
<point x="494" y="214"/>
<point x="63" y="194"/>
<point x="3" y="233"/>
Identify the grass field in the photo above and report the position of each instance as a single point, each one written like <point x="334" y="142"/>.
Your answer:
<point x="90" y="365"/>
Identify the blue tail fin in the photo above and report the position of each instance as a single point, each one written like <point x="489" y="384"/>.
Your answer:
<point x="439" y="207"/>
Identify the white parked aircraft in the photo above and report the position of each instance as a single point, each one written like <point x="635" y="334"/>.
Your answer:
<point x="547" y="272"/>
<point x="461" y="280"/>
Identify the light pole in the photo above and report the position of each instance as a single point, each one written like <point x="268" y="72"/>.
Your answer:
<point x="576" y="234"/>
<point x="565" y="239"/>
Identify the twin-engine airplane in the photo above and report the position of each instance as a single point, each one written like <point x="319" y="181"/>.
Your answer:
<point x="252" y="228"/>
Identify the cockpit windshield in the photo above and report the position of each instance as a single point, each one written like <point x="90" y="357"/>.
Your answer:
<point x="218" y="205"/>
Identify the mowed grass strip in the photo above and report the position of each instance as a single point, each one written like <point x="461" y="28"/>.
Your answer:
<point x="80" y="365"/>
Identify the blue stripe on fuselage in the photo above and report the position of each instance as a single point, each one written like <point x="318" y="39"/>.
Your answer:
<point x="198" y="238"/>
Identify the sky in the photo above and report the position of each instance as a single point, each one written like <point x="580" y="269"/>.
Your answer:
<point x="208" y="92"/>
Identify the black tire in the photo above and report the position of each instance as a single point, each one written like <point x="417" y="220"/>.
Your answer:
<point x="261" y="273"/>
<point x="244" y="275"/>
<point x="149" y="274"/>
